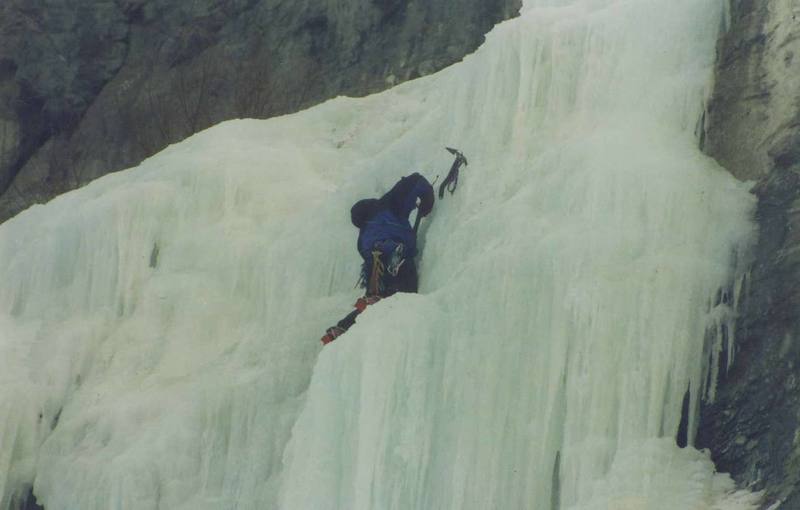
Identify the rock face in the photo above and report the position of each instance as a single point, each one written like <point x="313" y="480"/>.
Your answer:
<point x="753" y="129"/>
<point x="92" y="86"/>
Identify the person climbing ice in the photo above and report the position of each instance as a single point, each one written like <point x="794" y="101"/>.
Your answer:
<point x="388" y="244"/>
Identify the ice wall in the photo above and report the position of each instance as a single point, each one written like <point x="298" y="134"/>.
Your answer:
<point x="160" y="327"/>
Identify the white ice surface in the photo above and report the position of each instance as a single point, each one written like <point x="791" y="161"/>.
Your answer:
<point x="159" y="328"/>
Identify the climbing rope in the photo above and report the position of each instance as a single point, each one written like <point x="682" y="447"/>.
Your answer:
<point x="376" y="275"/>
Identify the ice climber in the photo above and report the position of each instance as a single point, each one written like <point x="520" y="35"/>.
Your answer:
<point x="387" y="243"/>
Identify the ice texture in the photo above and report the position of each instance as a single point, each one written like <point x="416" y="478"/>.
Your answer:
<point x="159" y="328"/>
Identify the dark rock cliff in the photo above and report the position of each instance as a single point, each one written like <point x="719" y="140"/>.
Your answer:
<point x="93" y="86"/>
<point x="753" y="427"/>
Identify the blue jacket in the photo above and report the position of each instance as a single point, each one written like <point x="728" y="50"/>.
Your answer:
<point x="386" y="218"/>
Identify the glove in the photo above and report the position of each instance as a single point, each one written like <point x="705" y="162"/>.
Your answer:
<point x="426" y="202"/>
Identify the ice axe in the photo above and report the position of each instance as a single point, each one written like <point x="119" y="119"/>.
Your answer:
<point x="419" y="218"/>
<point x="451" y="181"/>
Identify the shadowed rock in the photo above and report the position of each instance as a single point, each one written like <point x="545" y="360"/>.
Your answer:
<point x="753" y="427"/>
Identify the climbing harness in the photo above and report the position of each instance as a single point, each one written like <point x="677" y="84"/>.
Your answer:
<point x="384" y="261"/>
<point x="396" y="260"/>
<point x="376" y="275"/>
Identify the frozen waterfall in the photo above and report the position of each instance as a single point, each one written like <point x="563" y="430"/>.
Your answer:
<point x="159" y="328"/>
